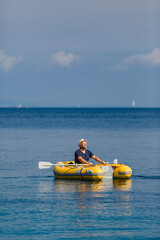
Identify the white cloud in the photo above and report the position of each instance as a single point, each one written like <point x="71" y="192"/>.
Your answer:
<point x="7" y="63"/>
<point x="152" y="58"/>
<point x="64" y="60"/>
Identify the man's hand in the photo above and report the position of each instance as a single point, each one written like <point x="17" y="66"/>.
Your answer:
<point x="90" y="164"/>
<point x="103" y="162"/>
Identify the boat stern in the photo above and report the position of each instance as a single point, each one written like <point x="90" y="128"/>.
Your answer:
<point x="122" y="171"/>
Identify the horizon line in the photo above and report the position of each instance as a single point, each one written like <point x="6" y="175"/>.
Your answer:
<point x="26" y="107"/>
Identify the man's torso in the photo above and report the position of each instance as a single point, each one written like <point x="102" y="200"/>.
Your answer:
<point x="88" y="154"/>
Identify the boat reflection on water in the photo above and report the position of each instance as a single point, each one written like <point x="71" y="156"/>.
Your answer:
<point x="99" y="196"/>
<point x="78" y="186"/>
<point x="63" y="186"/>
<point x="93" y="186"/>
<point x="122" y="184"/>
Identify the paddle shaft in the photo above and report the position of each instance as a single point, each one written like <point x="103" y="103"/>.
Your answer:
<point x="44" y="165"/>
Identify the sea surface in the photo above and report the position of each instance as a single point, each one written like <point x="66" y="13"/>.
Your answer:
<point x="34" y="205"/>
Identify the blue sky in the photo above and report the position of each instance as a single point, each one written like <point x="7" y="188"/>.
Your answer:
<point x="72" y="53"/>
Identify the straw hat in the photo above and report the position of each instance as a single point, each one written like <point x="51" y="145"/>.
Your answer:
<point x="81" y="140"/>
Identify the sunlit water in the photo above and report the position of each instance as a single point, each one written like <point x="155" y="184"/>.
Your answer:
<point x="34" y="205"/>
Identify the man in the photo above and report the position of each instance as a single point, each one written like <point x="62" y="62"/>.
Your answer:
<point x="82" y="155"/>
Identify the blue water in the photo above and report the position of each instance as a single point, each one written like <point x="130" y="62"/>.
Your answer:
<point x="34" y="205"/>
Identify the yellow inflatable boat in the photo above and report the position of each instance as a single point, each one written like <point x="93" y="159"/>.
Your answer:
<point x="70" y="170"/>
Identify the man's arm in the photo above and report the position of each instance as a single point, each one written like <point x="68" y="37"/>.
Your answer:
<point x="84" y="161"/>
<point x="98" y="159"/>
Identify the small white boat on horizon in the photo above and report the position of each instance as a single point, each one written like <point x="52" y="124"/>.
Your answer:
<point x="19" y="106"/>
<point x="133" y="104"/>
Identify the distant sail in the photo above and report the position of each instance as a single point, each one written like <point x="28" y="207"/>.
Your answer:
<point x="133" y="104"/>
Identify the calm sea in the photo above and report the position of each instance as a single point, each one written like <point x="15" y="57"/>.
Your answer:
<point x="34" y="205"/>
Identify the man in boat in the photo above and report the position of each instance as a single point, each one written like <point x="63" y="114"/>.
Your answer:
<point x="82" y="155"/>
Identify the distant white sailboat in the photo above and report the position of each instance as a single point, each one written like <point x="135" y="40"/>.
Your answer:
<point x="19" y="106"/>
<point x="133" y="104"/>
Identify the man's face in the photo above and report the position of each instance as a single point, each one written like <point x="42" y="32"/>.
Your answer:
<point x="83" y="144"/>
